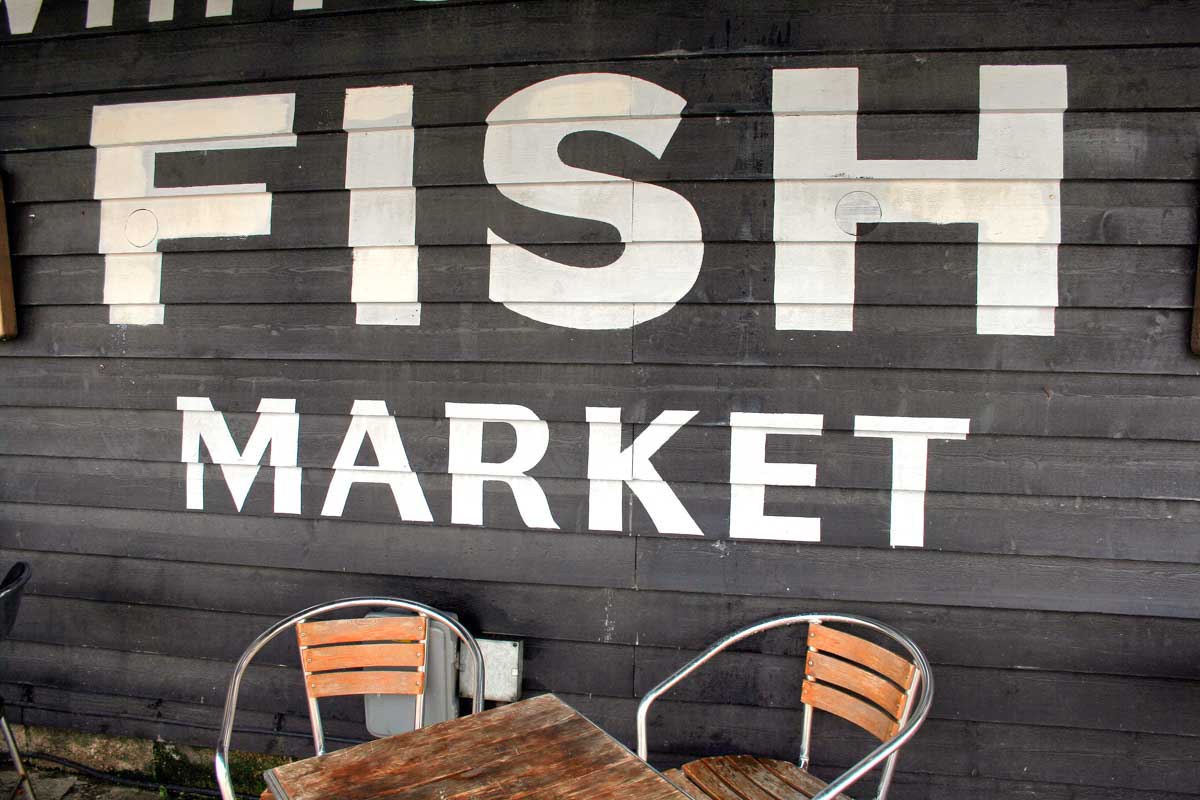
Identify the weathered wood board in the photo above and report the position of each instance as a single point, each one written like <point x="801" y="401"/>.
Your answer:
<point x="612" y="330"/>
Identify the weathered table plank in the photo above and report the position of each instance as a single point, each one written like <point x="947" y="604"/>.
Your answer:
<point x="536" y="748"/>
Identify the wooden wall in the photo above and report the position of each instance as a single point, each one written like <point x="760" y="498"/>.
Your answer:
<point x="1057" y="588"/>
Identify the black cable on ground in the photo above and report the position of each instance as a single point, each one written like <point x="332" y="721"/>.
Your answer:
<point x="96" y="774"/>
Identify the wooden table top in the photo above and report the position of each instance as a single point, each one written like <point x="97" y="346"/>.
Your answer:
<point x="539" y="748"/>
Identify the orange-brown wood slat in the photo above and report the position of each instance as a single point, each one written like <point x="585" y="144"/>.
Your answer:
<point x="334" y="684"/>
<point x="878" y="690"/>
<point x="8" y="302"/>
<point x="703" y="776"/>
<point x="869" y="654"/>
<point x="737" y="775"/>
<point x="848" y="707"/>
<point x="354" y="656"/>
<point x="371" y="629"/>
<point x="798" y="779"/>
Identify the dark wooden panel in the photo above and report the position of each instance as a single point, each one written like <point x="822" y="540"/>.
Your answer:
<point x="1106" y="84"/>
<point x="1016" y="697"/>
<point x="963" y="637"/>
<point x="1007" y="403"/>
<point x="448" y="332"/>
<point x="968" y="523"/>
<point x="1090" y="276"/>
<point x="61" y="18"/>
<point x="908" y="576"/>
<point x="551" y="32"/>
<point x="990" y="751"/>
<point x="912" y="337"/>
<point x="1031" y="466"/>
<point x="1097" y="146"/>
<point x="1099" y="212"/>
<point x="583" y="613"/>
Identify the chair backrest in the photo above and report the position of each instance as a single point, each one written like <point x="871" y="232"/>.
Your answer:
<point x="375" y="655"/>
<point x="882" y="692"/>
<point x="11" y="589"/>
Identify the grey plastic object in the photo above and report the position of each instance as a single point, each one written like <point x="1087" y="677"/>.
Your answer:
<point x="389" y="714"/>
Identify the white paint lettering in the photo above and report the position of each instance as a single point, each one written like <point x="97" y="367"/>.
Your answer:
<point x="278" y="427"/>
<point x="383" y="211"/>
<point x="470" y="471"/>
<point x="823" y="191"/>
<point x="372" y="421"/>
<point x="135" y="214"/>
<point x="660" y="228"/>
<point x="910" y="453"/>
<point x="610" y="468"/>
<point x="22" y="15"/>
<point x="161" y="11"/>
<point x="218" y="8"/>
<point x="99" y="13"/>
<point x="750" y="474"/>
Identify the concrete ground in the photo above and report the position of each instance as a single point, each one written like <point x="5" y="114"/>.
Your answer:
<point x="56" y="785"/>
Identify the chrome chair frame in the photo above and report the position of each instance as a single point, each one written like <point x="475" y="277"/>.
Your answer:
<point x="224" y="780"/>
<point x="911" y="720"/>
<point x="10" y="600"/>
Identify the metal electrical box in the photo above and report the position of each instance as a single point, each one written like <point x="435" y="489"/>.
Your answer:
<point x="389" y="714"/>
<point x="446" y="677"/>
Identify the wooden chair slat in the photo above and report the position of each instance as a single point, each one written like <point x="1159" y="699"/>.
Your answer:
<point x="738" y="776"/>
<point x="803" y="782"/>
<point x="848" y="707"/>
<point x="757" y="771"/>
<point x="699" y="773"/>
<point x="895" y="668"/>
<point x="879" y="691"/>
<point x="355" y="656"/>
<point x="334" y="684"/>
<point x="368" y="629"/>
<point x="266" y="795"/>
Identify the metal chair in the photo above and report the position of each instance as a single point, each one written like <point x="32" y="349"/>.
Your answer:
<point x="10" y="602"/>
<point x="845" y="675"/>
<point x="351" y="657"/>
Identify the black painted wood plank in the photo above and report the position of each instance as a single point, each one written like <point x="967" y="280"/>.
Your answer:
<point x="1128" y="341"/>
<point x="551" y="31"/>
<point x="988" y="751"/>
<point x="914" y="576"/>
<point x="973" y="695"/>
<point x="962" y="637"/>
<point x="1090" y="276"/>
<point x="1153" y="342"/>
<point x="1013" y="403"/>
<point x="1101" y="212"/>
<point x="1100" y="146"/>
<point x="65" y="18"/>
<point x="448" y="332"/>
<point x="1070" y="526"/>
<point x="1112" y="82"/>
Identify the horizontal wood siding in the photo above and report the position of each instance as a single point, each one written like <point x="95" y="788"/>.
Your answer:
<point x="1056" y="585"/>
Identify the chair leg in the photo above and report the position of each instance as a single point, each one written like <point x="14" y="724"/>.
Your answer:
<point x="22" y="776"/>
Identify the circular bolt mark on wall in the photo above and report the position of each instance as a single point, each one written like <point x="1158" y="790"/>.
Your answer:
<point x="141" y="228"/>
<point x="858" y="213"/>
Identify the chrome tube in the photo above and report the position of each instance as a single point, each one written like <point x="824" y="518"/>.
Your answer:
<point x="221" y="759"/>
<point x="872" y="759"/>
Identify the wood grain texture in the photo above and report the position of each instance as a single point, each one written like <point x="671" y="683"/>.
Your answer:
<point x="539" y="747"/>
<point x="899" y="670"/>
<point x="340" y="684"/>
<point x="325" y="632"/>
<point x="321" y="659"/>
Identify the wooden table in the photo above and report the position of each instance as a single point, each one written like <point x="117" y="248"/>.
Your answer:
<point x="540" y="749"/>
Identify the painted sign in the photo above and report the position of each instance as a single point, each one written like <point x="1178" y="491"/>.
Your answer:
<point x="825" y="197"/>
